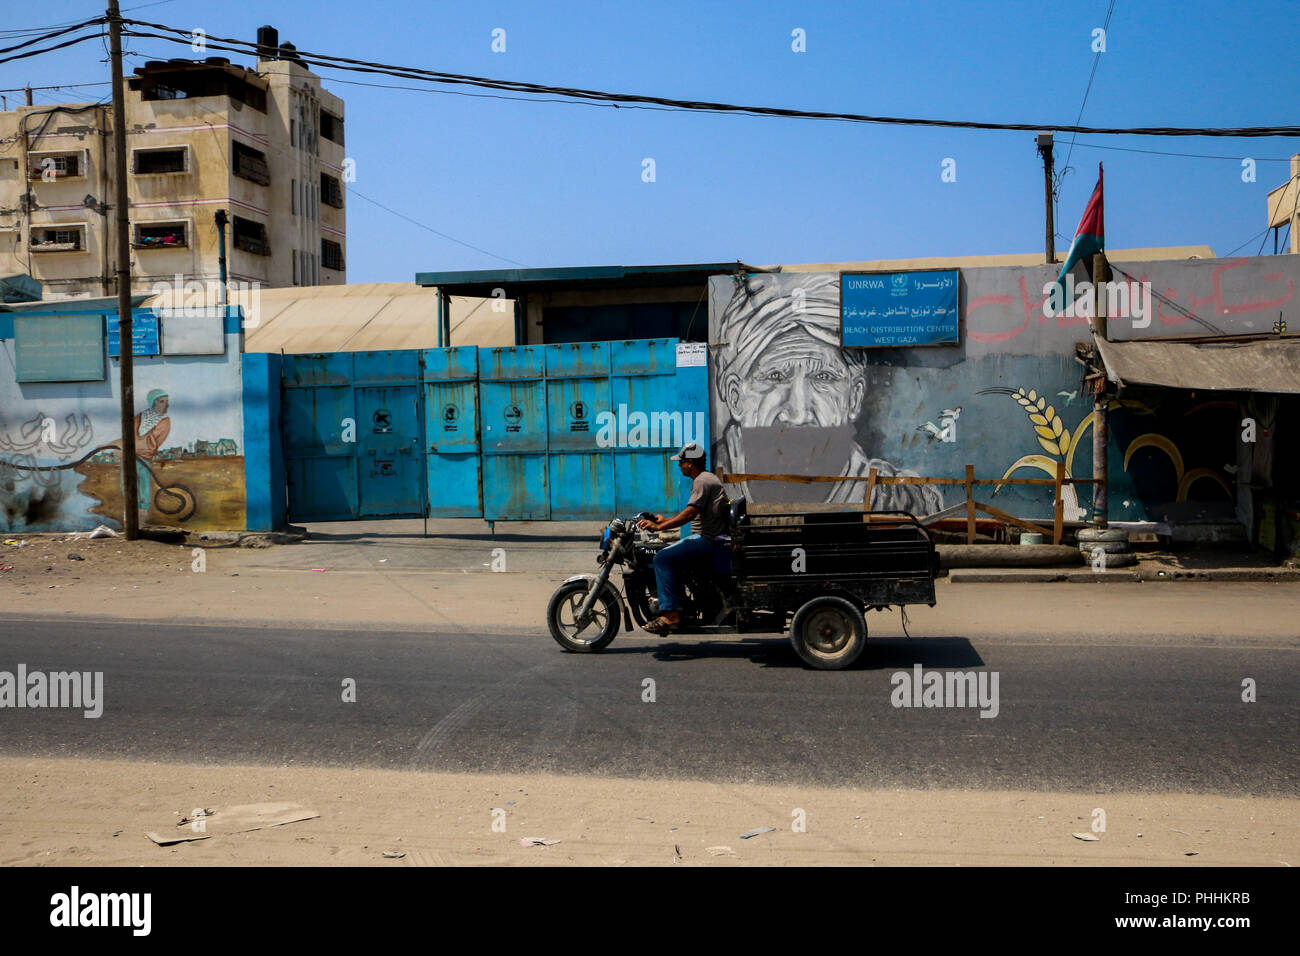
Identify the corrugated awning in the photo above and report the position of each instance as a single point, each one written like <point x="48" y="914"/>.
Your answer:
<point x="1241" y="365"/>
<point x="364" y="317"/>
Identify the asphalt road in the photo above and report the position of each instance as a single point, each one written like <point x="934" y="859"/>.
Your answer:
<point x="1150" y="713"/>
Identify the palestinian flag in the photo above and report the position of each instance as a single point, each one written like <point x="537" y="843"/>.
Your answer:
<point x="1090" y="237"/>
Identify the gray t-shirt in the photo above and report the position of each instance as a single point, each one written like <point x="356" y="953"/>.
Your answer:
<point x="709" y="497"/>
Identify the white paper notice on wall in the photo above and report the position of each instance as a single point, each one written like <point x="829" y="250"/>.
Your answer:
<point x="192" y="331"/>
<point x="691" y="353"/>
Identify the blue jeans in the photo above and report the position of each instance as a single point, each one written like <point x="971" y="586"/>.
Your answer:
<point x="693" y="553"/>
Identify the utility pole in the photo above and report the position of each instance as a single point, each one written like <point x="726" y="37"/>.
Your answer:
<point x="126" y="364"/>
<point x="1100" y="426"/>
<point x="1045" y="150"/>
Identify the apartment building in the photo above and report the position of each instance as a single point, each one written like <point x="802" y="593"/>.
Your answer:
<point x="265" y="145"/>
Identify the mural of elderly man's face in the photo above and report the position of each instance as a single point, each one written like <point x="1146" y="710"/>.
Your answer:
<point x="160" y="404"/>
<point x="798" y="380"/>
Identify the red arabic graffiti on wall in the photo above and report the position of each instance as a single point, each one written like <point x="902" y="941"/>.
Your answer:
<point x="1173" y="307"/>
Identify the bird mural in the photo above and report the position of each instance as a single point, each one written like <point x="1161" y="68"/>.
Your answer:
<point x="946" y="429"/>
<point x="1069" y="396"/>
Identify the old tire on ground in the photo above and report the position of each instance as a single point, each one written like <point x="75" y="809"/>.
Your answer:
<point x="1121" y="559"/>
<point x="563" y="609"/>
<point x="1102" y="534"/>
<point x="1110" y="547"/>
<point x="828" y="633"/>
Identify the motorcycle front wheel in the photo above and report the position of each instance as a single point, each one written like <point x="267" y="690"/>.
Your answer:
<point x="562" y="613"/>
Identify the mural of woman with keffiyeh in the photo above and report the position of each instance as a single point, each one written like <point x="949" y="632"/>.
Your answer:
<point x="152" y="426"/>
<point x="788" y="398"/>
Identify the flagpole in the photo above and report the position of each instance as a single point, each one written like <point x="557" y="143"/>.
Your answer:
<point x="1100" y="428"/>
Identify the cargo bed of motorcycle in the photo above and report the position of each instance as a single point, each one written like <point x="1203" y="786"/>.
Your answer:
<point x="880" y="558"/>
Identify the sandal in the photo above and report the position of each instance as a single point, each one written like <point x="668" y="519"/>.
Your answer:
<point x="659" y="626"/>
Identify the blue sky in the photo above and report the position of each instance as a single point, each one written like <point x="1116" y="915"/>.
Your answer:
<point x="547" y="184"/>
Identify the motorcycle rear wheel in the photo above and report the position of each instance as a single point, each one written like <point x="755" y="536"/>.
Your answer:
<point x="562" y="611"/>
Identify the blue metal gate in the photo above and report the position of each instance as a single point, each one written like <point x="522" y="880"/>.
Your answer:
<point x="352" y="435"/>
<point x="580" y="472"/>
<point x="512" y="408"/>
<point x="562" y="432"/>
<point x="455" y="480"/>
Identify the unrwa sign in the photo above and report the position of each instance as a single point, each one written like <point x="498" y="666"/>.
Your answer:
<point x="889" y="310"/>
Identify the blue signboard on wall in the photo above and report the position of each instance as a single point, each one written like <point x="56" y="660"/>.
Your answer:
<point x="889" y="310"/>
<point x="144" y="334"/>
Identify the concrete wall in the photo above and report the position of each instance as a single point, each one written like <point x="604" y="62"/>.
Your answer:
<point x="195" y="479"/>
<point x="787" y="399"/>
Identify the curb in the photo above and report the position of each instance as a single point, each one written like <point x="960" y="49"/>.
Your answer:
<point x="1136" y="575"/>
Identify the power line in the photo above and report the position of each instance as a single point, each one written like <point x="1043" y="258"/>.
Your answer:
<point x="1247" y="242"/>
<point x="61" y="86"/>
<point x="433" y="76"/>
<point x="49" y="49"/>
<point x="1162" y="152"/>
<point x="51" y="35"/>
<point x="459" y="242"/>
<point x="1096" y="60"/>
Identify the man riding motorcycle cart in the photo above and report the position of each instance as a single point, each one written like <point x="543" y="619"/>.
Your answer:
<point x="700" y="552"/>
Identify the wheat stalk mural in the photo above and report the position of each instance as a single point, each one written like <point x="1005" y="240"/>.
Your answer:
<point x="1057" y="440"/>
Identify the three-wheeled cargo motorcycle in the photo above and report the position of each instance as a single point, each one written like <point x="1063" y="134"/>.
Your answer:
<point x="813" y="573"/>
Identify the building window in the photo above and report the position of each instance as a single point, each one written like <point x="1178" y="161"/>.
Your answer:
<point x="331" y="255"/>
<point x="331" y="127"/>
<point x="293" y="196"/>
<point x="294" y="259"/>
<point x="249" y="235"/>
<point x="59" y="239"/>
<point x="151" y="161"/>
<point x="54" y="166"/>
<point x="159" y="235"/>
<point x="293" y="132"/>
<point x="250" y="164"/>
<point x="331" y="191"/>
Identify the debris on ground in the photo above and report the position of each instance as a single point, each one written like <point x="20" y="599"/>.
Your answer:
<point x="242" y="818"/>
<point x="721" y="851"/>
<point x="1086" y="837"/>
<point x="73" y="556"/>
<point x="178" y="838"/>
<point x="392" y="854"/>
<point x="103" y="531"/>
<point x="537" y="841"/>
<point x="757" y="831"/>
